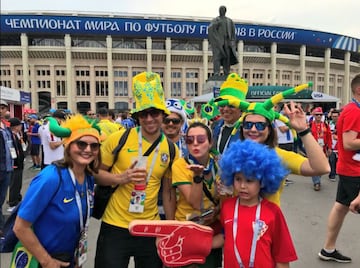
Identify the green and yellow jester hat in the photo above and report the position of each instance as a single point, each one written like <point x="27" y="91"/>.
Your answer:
<point x="264" y="108"/>
<point x="234" y="88"/>
<point x="75" y="127"/>
<point x="209" y="110"/>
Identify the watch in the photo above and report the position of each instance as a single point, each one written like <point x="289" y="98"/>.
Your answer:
<point x="198" y="179"/>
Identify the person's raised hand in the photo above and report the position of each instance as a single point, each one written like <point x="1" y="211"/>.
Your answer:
<point x="296" y="115"/>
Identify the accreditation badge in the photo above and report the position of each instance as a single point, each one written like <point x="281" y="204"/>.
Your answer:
<point x="137" y="201"/>
<point x="81" y="251"/>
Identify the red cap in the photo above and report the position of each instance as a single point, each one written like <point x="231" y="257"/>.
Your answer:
<point x="318" y="110"/>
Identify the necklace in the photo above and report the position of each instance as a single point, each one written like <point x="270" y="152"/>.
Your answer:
<point x="81" y="189"/>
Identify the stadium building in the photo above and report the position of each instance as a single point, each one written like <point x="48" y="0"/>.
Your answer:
<point x="81" y="61"/>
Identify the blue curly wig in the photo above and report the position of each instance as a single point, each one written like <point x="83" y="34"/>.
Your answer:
<point x="254" y="161"/>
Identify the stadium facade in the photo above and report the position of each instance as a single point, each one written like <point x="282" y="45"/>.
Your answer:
<point x="81" y="61"/>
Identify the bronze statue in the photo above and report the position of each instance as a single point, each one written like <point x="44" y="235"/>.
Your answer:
<point x="223" y="42"/>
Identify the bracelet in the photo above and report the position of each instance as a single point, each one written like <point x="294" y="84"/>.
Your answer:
<point x="304" y="132"/>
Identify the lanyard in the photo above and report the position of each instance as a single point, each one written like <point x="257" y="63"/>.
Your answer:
<point x="179" y="144"/>
<point x="356" y="102"/>
<point x="257" y="228"/>
<point x="220" y="137"/>
<point x="202" y="194"/>
<point x="78" y="202"/>
<point x="154" y="157"/>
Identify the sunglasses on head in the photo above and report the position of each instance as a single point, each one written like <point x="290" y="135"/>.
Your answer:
<point x="152" y="112"/>
<point x="82" y="145"/>
<point x="199" y="139"/>
<point x="175" y="121"/>
<point x="260" y="126"/>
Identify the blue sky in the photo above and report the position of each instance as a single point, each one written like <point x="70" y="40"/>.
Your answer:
<point x="334" y="16"/>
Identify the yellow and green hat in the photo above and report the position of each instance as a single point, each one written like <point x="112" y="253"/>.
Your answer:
<point x="264" y="108"/>
<point x="148" y="92"/>
<point x="233" y="88"/>
<point x="74" y="127"/>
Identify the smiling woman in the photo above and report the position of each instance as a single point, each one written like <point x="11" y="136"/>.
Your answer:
<point x="66" y="198"/>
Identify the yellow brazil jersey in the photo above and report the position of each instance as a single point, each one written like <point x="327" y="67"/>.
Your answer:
<point x="117" y="211"/>
<point x="108" y="127"/>
<point x="182" y="175"/>
<point x="293" y="162"/>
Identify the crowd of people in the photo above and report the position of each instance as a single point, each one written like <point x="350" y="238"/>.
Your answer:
<point x="177" y="166"/>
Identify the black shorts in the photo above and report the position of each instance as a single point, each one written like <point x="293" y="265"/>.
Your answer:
<point x="35" y="149"/>
<point x="348" y="189"/>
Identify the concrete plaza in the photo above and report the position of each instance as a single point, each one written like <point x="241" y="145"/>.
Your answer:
<point x="306" y="212"/>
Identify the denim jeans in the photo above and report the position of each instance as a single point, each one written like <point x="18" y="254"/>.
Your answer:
<point x="316" y="179"/>
<point x="4" y="185"/>
<point x="332" y="161"/>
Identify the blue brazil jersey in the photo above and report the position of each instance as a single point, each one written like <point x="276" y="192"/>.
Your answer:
<point x="50" y="205"/>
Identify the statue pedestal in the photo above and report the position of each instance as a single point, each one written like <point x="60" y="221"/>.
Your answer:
<point x="213" y="84"/>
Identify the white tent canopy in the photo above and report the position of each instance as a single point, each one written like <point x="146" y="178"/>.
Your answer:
<point x="315" y="97"/>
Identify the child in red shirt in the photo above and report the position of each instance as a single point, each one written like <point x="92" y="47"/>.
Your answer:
<point x="255" y="230"/>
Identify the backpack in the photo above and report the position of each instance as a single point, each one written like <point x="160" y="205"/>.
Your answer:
<point x="9" y="240"/>
<point x="102" y="193"/>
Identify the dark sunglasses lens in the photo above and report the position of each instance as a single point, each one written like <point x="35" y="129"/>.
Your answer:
<point x="94" y="146"/>
<point x="189" y="139"/>
<point x="201" y="139"/>
<point x="152" y="113"/>
<point x="260" y="126"/>
<point x="81" y="145"/>
<point x="175" y="121"/>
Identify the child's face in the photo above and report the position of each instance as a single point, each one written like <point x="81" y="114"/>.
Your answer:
<point x="248" y="189"/>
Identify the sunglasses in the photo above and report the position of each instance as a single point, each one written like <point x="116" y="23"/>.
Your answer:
<point x="82" y="145"/>
<point x="318" y="114"/>
<point x="229" y="106"/>
<point x="90" y="114"/>
<point x="260" y="126"/>
<point x="199" y="139"/>
<point x="175" y="121"/>
<point x="153" y="113"/>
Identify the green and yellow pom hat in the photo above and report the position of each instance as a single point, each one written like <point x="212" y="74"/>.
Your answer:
<point x="209" y="110"/>
<point x="265" y="108"/>
<point x="234" y="88"/>
<point x="75" y="127"/>
<point x="148" y="92"/>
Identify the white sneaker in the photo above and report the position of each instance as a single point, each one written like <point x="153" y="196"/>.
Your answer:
<point x="11" y="209"/>
<point x="356" y="157"/>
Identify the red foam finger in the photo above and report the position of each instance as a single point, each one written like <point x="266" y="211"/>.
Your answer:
<point x="160" y="228"/>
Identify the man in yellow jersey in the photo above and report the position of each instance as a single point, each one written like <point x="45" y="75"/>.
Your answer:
<point x="107" y="127"/>
<point x="115" y="244"/>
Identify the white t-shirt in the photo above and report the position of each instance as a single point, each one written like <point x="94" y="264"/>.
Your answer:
<point x="46" y="137"/>
<point x="283" y="137"/>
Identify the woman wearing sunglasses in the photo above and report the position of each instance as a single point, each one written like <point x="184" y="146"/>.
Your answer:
<point x="258" y="126"/>
<point x="53" y="218"/>
<point x="195" y="177"/>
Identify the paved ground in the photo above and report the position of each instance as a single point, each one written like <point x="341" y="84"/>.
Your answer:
<point x="306" y="212"/>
